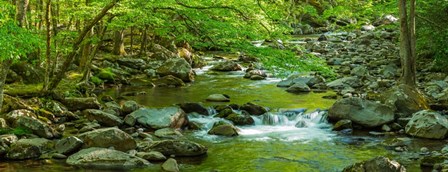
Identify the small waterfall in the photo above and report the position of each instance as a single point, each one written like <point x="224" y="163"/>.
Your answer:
<point x="274" y="119"/>
<point x="211" y="111"/>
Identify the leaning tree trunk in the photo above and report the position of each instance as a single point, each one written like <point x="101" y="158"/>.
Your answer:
<point x="407" y="43"/>
<point x="76" y="45"/>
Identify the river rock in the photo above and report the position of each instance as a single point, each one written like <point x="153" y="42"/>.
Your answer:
<point x="382" y="164"/>
<point x="177" y="148"/>
<point x="162" y="53"/>
<point x="253" y="109"/>
<point x="129" y="107"/>
<point x="13" y="116"/>
<point x="168" y="133"/>
<point x="74" y="104"/>
<point x="157" y="118"/>
<point x="113" y="108"/>
<point x="406" y="100"/>
<point x="226" y="66"/>
<point x="240" y="119"/>
<point x="363" y="112"/>
<point x="223" y="129"/>
<point x="367" y="27"/>
<point x="28" y="148"/>
<point x="344" y="82"/>
<point x="193" y="107"/>
<point x="108" y="137"/>
<point x="177" y="67"/>
<point x="170" y="165"/>
<point x="36" y="126"/>
<point x="3" y="124"/>
<point x="342" y="124"/>
<point x="218" y="98"/>
<point x="102" y="117"/>
<point x="105" y="158"/>
<point x="169" y="81"/>
<point x="427" y="124"/>
<point x="134" y="63"/>
<point x="30" y="74"/>
<point x="8" y="139"/>
<point x="151" y="156"/>
<point x="360" y="71"/>
<point x="255" y="74"/>
<point x="298" y="88"/>
<point x="68" y="145"/>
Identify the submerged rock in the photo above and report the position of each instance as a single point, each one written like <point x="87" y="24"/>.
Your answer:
<point x="342" y="124"/>
<point x="363" y="112"/>
<point x="169" y="81"/>
<point x="427" y="124"/>
<point x="377" y="164"/>
<point x="108" y="137"/>
<point x="105" y="159"/>
<point x="177" y="148"/>
<point x="193" y="107"/>
<point x="157" y="118"/>
<point x="170" y="165"/>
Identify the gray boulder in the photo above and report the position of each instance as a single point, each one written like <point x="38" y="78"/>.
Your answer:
<point x="105" y="159"/>
<point x="102" y="117"/>
<point x="226" y="66"/>
<point x="382" y="164"/>
<point x="129" y="107"/>
<point x="218" y="98"/>
<point x="170" y="165"/>
<point x="193" y="107"/>
<point x="177" y="148"/>
<point x="151" y="156"/>
<point x="223" y="129"/>
<point x="154" y="118"/>
<point x="427" y="124"/>
<point x="363" y="112"/>
<point x="29" y="148"/>
<point x="405" y="99"/>
<point x="134" y="63"/>
<point x="68" y="145"/>
<point x="36" y="126"/>
<point x="299" y="88"/>
<point x="352" y="81"/>
<point x="74" y="104"/>
<point x="177" y="67"/>
<point x="108" y="137"/>
<point x="253" y="109"/>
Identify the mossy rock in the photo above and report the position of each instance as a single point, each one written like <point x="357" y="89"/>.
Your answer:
<point x="430" y="161"/>
<point x="238" y="119"/>
<point x="106" y="75"/>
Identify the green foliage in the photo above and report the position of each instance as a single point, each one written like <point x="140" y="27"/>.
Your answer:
<point x="18" y="131"/>
<point x="15" y="42"/>
<point x="95" y="80"/>
<point x="285" y="62"/>
<point x="432" y="35"/>
<point x="106" y="74"/>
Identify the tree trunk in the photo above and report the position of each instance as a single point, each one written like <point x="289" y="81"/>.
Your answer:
<point x="407" y="43"/>
<point x="21" y="7"/>
<point x="48" y="51"/>
<point x="144" y="41"/>
<point x="60" y="74"/>
<point x="3" y="74"/>
<point x="132" y="39"/>
<point x="119" y="43"/>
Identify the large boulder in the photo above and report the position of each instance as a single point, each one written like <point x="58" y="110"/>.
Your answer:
<point x="427" y="124"/>
<point x="157" y="118"/>
<point x="382" y="164"/>
<point x="223" y="129"/>
<point x="28" y="120"/>
<point x="30" y="74"/>
<point x="105" y="159"/>
<point x="162" y="53"/>
<point x="74" y="104"/>
<point x="363" y="112"/>
<point x="108" y="137"/>
<point x="177" y="67"/>
<point x="406" y="100"/>
<point x="193" y="107"/>
<point x="299" y="88"/>
<point x="253" y="109"/>
<point x="226" y="66"/>
<point x="28" y="148"/>
<point x="68" y="145"/>
<point x="102" y="117"/>
<point x="177" y="148"/>
<point x="134" y="63"/>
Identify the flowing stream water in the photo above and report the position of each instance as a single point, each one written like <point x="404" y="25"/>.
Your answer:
<point x="274" y="143"/>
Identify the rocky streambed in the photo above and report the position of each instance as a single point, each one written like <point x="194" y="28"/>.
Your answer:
<point x="231" y="118"/>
